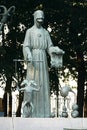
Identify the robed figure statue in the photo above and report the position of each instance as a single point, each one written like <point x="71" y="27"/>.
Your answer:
<point x="37" y="44"/>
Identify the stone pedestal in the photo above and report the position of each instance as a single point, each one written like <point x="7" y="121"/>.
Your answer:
<point x="74" y="129"/>
<point x="18" y="123"/>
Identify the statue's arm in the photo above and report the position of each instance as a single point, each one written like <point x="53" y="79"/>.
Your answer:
<point x="22" y="89"/>
<point x="36" y="89"/>
<point x="50" y="47"/>
<point x="26" y="47"/>
<point x="53" y="51"/>
<point x="49" y="42"/>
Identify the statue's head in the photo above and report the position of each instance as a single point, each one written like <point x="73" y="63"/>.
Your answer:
<point x="27" y="83"/>
<point x="32" y="83"/>
<point x="38" y="17"/>
<point x="24" y="82"/>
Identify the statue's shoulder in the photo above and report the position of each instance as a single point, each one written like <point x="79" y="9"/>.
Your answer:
<point x="30" y="29"/>
<point x="46" y="32"/>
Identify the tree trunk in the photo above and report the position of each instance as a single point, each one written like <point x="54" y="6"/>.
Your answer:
<point x="85" y="104"/>
<point x="81" y="80"/>
<point x="8" y="99"/>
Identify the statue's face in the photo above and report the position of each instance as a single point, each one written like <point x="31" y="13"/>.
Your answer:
<point x="39" y="22"/>
<point x="38" y="18"/>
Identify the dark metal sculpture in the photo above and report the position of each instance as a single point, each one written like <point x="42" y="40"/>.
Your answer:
<point x="5" y="14"/>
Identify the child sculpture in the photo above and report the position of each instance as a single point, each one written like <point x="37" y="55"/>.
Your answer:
<point x="29" y="87"/>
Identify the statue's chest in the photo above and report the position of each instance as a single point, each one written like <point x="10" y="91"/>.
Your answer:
<point x="38" y="39"/>
<point x="27" y="95"/>
<point x="40" y="35"/>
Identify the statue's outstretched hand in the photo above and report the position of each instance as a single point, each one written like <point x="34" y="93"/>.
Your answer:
<point x="56" y="50"/>
<point x="18" y="88"/>
<point x="29" y="58"/>
<point x="56" y="58"/>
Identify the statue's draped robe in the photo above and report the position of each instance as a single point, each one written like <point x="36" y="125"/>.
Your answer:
<point x="37" y="42"/>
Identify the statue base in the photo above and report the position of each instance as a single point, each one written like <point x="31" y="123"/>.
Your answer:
<point x="18" y="123"/>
